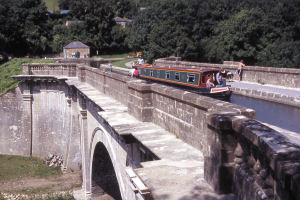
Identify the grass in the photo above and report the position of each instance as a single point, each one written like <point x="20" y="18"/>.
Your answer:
<point x="15" y="167"/>
<point x="14" y="67"/>
<point x="55" y="197"/>
<point x="52" y="5"/>
<point x="122" y="63"/>
<point x="46" y="197"/>
<point x="124" y="55"/>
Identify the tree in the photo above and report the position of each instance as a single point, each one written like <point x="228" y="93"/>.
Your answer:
<point x="239" y="37"/>
<point x="64" y="4"/>
<point x="98" y="19"/>
<point x="24" y="27"/>
<point x="172" y="14"/>
<point x="123" y="8"/>
<point x="168" y="39"/>
<point x="64" y="35"/>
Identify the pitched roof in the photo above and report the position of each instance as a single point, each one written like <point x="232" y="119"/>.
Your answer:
<point x="76" y="45"/>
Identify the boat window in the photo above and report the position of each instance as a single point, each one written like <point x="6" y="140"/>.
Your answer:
<point x="177" y="76"/>
<point x="191" y="78"/>
<point x="202" y="78"/>
<point x="167" y="75"/>
<point x="151" y="73"/>
<point x="158" y="73"/>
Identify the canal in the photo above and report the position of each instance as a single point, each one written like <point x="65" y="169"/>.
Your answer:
<point x="283" y="116"/>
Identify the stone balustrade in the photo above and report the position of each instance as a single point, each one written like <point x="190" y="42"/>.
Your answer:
<point x="59" y="69"/>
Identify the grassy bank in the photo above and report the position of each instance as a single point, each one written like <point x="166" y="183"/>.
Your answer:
<point x="15" y="167"/>
<point x="17" y="170"/>
<point x="51" y="4"/>
<point x="122" y="63"/>
<point x="14" y="67"/>
<point x="122" y="55"/>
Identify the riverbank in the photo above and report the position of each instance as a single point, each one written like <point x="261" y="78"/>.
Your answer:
<point x="30" y="178"/>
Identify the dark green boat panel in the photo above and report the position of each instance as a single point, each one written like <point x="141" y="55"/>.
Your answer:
<point x="161" y="74"/>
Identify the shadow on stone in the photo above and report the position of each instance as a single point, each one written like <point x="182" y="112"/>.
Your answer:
<point x="103" y="174"/>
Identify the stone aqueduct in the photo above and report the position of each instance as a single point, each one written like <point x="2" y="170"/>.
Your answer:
<point x="140" y="140"/>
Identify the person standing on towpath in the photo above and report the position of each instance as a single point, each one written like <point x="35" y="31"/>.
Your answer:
<point x="240" y="69"/>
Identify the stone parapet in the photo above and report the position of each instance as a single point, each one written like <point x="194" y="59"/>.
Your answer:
<point x="269" y="75"/>
<point x="258" y="161"/>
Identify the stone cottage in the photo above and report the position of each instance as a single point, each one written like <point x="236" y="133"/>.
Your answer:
<point x="76" y="49"/>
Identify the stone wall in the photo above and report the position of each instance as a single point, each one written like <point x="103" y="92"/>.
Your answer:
<point x="260" y="163"/>
<point x="267" y="75"/>
<point x="13" y="139"/>
<point x="39" y="118"/>
<point x="84" y="52"/>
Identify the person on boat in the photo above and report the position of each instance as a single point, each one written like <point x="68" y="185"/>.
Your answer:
<point x="136" y="73"/>
<point x="210" y="82"/>
<point x="140" y="60"/>
<point x="221" y="77"/>
<point x="229" y="76"/>
<point x="240" y="69"/>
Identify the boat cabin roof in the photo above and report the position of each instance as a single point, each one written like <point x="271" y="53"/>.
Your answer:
<point x="191" y="69"/>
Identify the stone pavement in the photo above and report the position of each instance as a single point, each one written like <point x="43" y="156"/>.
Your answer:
<point x="279" y="94"/>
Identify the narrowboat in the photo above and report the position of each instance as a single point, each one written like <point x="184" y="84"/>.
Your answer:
<point x="194" y="79"/>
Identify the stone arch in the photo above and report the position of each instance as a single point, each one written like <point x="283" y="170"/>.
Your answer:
<point x="101" y="145"/>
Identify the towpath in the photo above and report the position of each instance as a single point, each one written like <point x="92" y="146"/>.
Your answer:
<point x="274" y="93"/>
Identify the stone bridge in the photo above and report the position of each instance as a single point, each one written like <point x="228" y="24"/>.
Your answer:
<point x="138" y="140"/>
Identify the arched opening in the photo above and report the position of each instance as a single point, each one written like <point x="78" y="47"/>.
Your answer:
<point x="104" y="180"/>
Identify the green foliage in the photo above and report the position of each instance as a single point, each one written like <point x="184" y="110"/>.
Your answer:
<point x="64" y="35"/>
<point x="64" y="4"/>
<point x="14" y="67"/>
<point x="239" y="37"/>
<point x="55" y="197"/>
<point x="23" y="26"/>
<point x="166" y="39"/>
<point x="12" y="167"/>
<point x="260" y="32"/>
<point x="98" y="21"/>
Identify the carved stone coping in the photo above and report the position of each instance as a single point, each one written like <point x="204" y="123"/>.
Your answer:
<point x="38" y="78"/>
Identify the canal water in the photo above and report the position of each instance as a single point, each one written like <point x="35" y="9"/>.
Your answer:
<point x="283" y="116"/>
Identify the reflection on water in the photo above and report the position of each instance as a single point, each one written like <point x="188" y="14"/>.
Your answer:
<point x="283" y="116"/>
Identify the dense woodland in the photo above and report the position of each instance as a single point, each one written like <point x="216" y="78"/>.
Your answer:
<point x="260" y="32"/>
